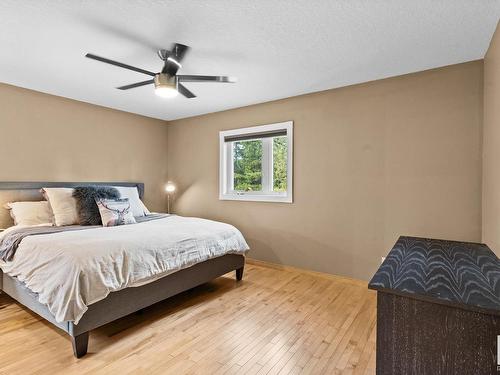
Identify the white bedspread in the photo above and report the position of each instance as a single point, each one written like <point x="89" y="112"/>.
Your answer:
<point x="72" y="270"/>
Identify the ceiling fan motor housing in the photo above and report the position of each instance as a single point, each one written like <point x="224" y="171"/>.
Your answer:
<point x="164" y="80"/>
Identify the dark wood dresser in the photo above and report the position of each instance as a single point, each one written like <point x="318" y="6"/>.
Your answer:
<point x="438" y="308"/>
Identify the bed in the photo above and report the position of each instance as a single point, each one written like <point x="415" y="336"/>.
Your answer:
<point x="124" y="295"/>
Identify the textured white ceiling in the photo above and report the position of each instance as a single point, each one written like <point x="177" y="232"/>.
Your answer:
<point x="276" y="48"/>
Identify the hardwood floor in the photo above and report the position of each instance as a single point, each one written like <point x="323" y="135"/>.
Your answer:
<point x="276" y="321"/>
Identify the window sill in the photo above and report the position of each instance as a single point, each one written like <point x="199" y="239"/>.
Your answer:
<point x="256" y="198"/>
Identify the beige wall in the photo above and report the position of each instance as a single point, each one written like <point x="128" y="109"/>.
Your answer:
<point x="48" y="138"/>
<point x="372" y="162"/>
<point x="491" y="146"/>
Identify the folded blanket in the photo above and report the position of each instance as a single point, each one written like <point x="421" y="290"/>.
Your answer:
<point x="11" y="240"/>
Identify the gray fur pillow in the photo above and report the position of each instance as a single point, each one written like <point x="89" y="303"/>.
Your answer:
<point x="86" y="206"/>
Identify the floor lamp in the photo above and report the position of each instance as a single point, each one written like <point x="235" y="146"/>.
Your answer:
<point x="170" y="189"/>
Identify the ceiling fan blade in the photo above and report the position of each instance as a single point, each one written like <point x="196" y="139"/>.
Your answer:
<point x="190" y="78"/>
<point x="184" y="91"/>
<point x="173" y="61"/>
<point x="121" y="65"/>
<point x="137" y="84"/>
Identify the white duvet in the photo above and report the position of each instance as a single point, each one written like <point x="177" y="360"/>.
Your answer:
<point x="72" y="270"/>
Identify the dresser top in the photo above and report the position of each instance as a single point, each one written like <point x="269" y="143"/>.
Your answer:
<point x="462" y="274"/>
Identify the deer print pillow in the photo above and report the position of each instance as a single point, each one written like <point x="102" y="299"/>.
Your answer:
<point x="115" y="212"/>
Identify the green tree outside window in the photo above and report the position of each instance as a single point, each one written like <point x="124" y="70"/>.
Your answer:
<point x="247" y="165"/>
<point x="280" y="157"/>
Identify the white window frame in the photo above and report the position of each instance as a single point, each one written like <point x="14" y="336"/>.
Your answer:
<point x="226" y="178"/>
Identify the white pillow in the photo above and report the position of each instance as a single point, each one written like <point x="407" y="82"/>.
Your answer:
<point x="63" y="205"/>
<point x="30" y="213"/>
<point x="138" y="208"/>
<point x="115" y="212"/>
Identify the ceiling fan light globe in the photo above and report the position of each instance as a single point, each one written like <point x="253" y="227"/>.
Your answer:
<point x="166" y="92"/>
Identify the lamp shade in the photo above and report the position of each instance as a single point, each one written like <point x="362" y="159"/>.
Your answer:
<point x="170" y="187"/>
<point x="165" y="86"/>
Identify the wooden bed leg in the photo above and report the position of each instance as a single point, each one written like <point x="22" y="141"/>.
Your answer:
<point x="239" y="273"/>
<point x="80" y="344"/>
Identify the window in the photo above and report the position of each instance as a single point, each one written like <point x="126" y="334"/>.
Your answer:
<point x="256" y="163"/>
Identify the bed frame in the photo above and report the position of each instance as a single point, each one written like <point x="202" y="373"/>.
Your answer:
<point x="116" y="304"/>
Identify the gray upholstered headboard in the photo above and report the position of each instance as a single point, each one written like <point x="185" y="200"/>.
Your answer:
<point x="30" y="191"/>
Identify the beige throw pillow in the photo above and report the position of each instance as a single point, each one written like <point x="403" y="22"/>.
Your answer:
<point x="30" y="213"/>
<point x="63" y="205"/>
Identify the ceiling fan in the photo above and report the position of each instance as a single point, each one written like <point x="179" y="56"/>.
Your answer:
<point x="167" y="82"/>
